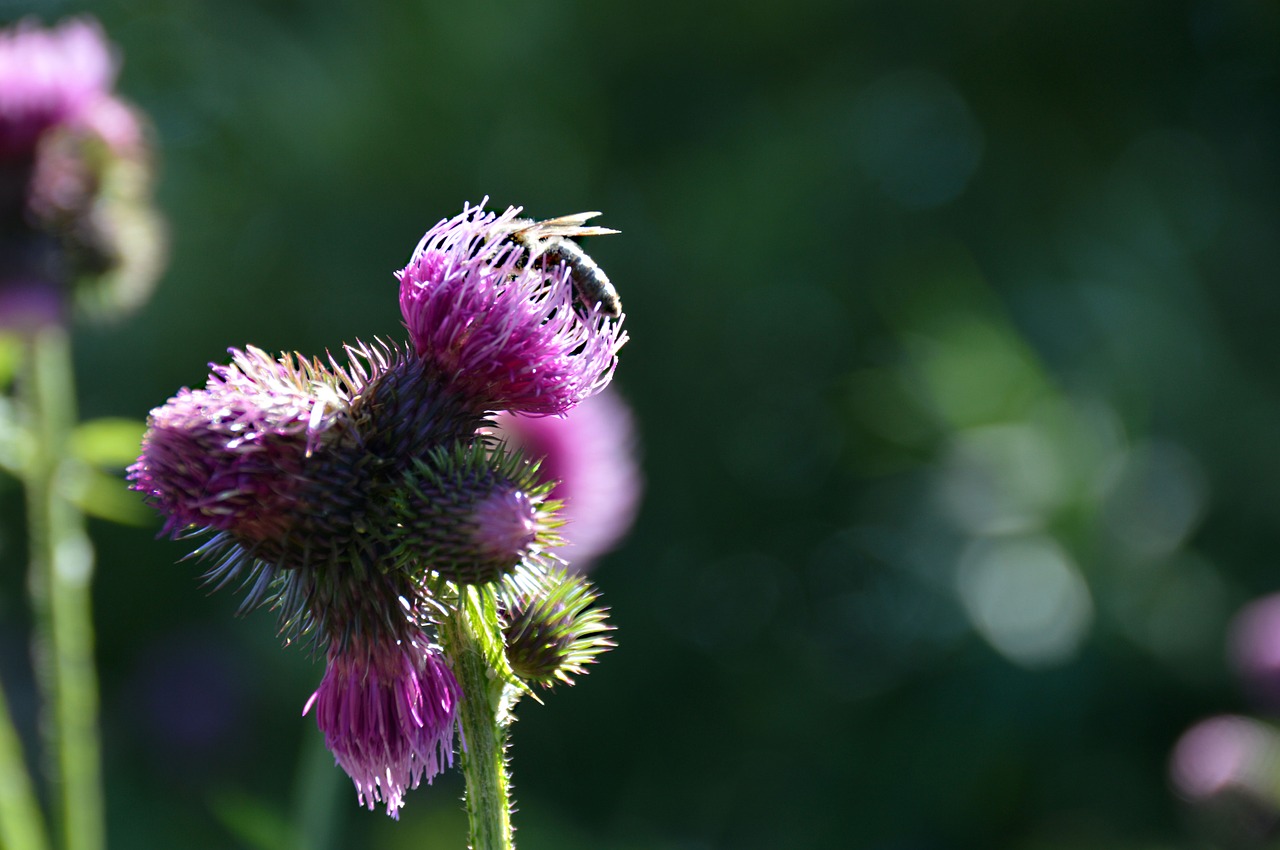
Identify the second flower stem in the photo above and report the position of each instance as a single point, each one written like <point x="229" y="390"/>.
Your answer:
<point x="61" y="569"/>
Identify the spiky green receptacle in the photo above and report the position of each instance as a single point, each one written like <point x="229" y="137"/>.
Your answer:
<point x="471" y="514"/>
<point x="552" y="631"/>
<point x="403" y="408"/>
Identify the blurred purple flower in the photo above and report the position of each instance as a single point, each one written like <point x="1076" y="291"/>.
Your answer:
<point x="591" y="452"/>
<point x="1254" y="650"/>
<point x="503" y="332"/>
<point x="388" y="713"/>
<point x="50" y="77"/>
<point x="29" y="302"/>
<point x="1226" y="756"/>
<point x="75" y="204"/>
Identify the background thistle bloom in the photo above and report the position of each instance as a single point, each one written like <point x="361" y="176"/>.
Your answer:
<point x="75" y="179"/>
<point x="503" y="330"/>
<point x="49" y="77"/>
<point x="388" y="710"/>
<point x="590" y="455"/>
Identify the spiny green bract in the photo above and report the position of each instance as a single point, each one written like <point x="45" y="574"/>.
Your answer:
<point x="471" y="513"/>
<point x="551" y="631"/>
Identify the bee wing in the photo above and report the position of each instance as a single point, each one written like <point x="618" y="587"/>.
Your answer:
<point x="565" y="225"/>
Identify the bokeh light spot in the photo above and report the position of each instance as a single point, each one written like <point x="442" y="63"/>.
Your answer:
<point x="1026" y="597"/>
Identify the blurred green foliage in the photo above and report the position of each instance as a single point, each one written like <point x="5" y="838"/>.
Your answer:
<point x="952" y="355"/>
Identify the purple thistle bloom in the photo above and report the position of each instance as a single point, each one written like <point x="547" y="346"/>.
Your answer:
<point x="591" y="453"/>
<point x="50" y="77"/>
<point x="388" y="712"/>
<point x="503" y="331"/>
<point x="231" y="456"/>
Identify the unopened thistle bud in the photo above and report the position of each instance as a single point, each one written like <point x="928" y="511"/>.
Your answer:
<point x="472" y="515"/>
<point x="504" y="331"/>
<point x="388" y="712"/>
<point x="552" y="631"/>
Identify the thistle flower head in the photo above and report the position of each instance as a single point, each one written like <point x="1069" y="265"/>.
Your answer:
<point x="502" y="329"/>
<point x="50" y="77"/>
<point x="231" y="456"/>
<point x="552" y="631"/>
<point x="590" y="455"/>
<point x="388" y="712"/>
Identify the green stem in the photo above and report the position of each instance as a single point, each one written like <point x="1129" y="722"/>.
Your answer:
<point x="61" y="569"/>
<point x="21" y="824"/>
<point x="485" y="716"/>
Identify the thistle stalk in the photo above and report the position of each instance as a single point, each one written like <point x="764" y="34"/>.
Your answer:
<point x="485" y="714"/>
<point x="59" y="579"/>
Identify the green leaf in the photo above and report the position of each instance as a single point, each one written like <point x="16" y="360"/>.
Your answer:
<point x="103" y="495"/>
<point x="108" y="442"/>
<point x="10" y="356"/>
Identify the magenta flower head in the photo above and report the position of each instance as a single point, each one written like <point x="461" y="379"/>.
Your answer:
<point x="1229" y="764"/>
<point x="590" y="454"/>
<point x="388" y="712"/>
<point x="239" y="455"/>
<point x="498" y="324"/>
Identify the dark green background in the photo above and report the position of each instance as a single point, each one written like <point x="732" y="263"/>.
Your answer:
<point x="903" y="279"/>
